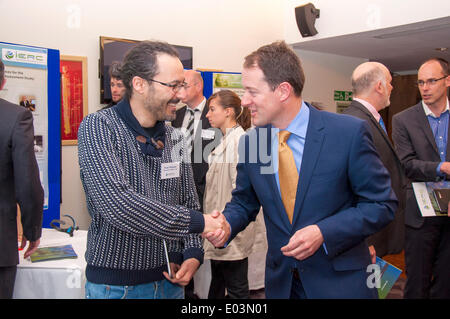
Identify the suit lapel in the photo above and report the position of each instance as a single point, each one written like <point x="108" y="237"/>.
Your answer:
<point x="200" y="143"/>
<point x="447" y="155"/>
<point x="372" y="119"/>
<point x="205" y="122"/>
<point x="270" y="177"/>
<point x="425" y="125"/>
<point x="178" y="122"/>
<point x="202" y="125"/>
<point x="313" y="145"/>
<point x="369" y="116"/>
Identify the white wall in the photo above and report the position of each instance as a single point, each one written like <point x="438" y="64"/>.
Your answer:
<point x="221" y="32"/>
<point x="353" y="16"/>
<point x="325" y="73"/>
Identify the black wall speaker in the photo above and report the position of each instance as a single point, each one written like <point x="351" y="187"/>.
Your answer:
<point x="306" y="16"/>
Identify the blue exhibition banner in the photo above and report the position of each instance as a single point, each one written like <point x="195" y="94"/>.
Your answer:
<point x="33" y="81"/>
<point x="54" y="137"/>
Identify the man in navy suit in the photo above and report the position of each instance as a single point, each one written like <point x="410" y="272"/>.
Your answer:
<point x="343" y="191"/>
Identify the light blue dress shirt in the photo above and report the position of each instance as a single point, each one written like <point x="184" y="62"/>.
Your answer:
<point x="439" y="127"/>
<point x="296" y="140"/>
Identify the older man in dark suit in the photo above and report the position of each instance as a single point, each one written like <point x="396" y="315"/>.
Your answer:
<point x="19" y="184"/>
<point x="371" y="83"/>
<point x="421" y="135"/>
<point x="192" y="118"/>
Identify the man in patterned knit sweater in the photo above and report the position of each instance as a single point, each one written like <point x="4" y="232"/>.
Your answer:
<point x="139" y="187"/>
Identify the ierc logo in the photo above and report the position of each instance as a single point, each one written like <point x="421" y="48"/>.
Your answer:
<point x="22" y="56"/>
<point x="9" y="54"/>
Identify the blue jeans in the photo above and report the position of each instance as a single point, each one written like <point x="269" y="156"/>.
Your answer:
<point x="163" y="289"/>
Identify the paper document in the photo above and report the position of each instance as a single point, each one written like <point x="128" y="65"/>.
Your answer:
<point x="432" y="198"/>
<point x="169" y="271"/>
<point x="389" y="275"/>
<point x="53" y="253"/>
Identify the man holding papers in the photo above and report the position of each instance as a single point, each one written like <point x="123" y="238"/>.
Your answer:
<point x="420" y="136"/>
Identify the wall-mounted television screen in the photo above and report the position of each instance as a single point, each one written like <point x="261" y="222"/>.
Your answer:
<point x="114" y="49"/>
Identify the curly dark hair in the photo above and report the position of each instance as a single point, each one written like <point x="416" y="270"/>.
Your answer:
<point x="141" y="61"/>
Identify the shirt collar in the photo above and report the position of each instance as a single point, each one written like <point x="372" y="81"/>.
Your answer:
<point x="299" y="124"/>
<point x="199" y="107"/>
<point x="428" y="112"/>
<point x="370" y="108"/>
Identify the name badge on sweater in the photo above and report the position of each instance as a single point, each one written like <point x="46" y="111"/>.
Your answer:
<point x="170" y="170"/>
<point x="208" y="134"/>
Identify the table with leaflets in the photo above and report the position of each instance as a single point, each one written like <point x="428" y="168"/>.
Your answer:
<point x="65" y="278"/>
<point x="55" y="279"/>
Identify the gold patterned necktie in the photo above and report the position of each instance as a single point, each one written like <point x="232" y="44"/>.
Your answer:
<point x="287" y="173"/>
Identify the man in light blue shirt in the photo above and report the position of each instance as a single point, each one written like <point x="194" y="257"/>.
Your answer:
<point x="330" y="187"/>
<point x="439" y="127"/>
<point x="420" y="134"/>
<point x="296" y="140"/>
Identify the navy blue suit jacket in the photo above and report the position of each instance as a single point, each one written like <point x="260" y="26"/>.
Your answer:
<point x="343" y="188"/>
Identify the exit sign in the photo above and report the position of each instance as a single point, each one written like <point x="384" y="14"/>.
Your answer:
<point x="342" y="95"/>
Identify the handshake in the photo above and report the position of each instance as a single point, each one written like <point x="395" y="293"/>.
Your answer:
<point x="217" y="230"/>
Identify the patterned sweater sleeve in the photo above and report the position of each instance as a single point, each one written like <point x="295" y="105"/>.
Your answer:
<point x="109" y="194"/>
<point x="193" y="243"/>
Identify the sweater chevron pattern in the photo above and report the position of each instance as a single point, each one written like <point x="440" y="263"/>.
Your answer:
<point x="131" y="207"/>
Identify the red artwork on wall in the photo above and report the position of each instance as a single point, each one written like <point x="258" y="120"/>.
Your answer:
<point x="73" y="96"/>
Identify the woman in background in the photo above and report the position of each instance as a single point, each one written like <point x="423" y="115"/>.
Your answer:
<point x="229" y="266"/>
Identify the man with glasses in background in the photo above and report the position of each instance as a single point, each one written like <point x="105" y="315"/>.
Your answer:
<point x="192" y="119"/>
<point x="420" y="134"/>
<point x="144" y="239"/>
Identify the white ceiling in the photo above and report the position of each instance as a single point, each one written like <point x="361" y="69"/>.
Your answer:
<point x="401" y="48"/>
